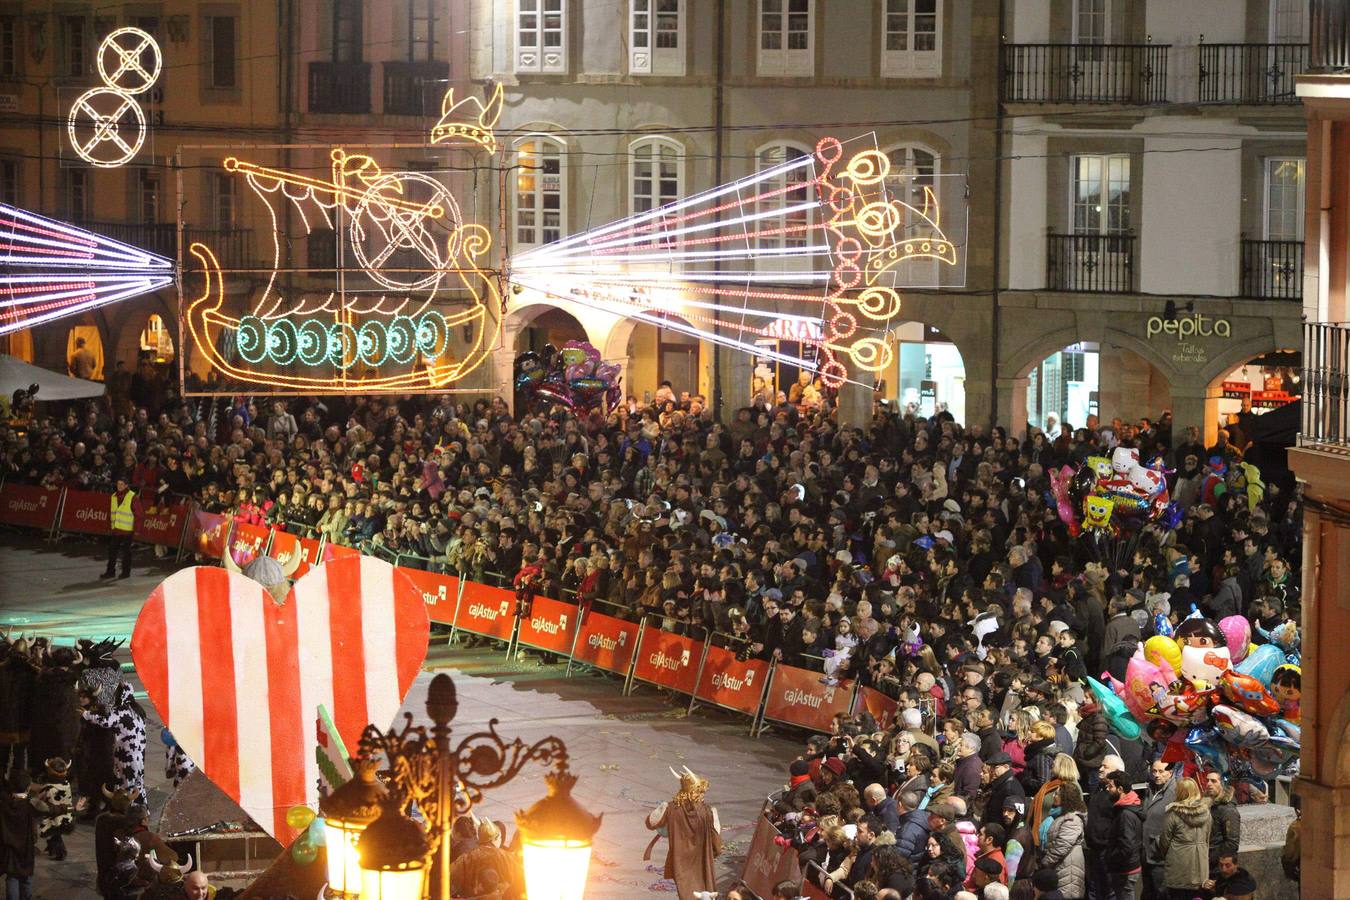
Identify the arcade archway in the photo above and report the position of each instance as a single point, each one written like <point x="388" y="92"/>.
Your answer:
<point x="929" y="373"/>
<point x="653" y="355"/>
<point x="84" y="351"/>
<point x="1090" y="381"/>
<point x="551" y="326"/>
<point x="155" y="342"/>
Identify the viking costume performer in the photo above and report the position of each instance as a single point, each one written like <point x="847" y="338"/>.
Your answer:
<point x="18" y="678"/>
<point x="168" y="883"/>
<point x="56" y="709"/>
<point x="126" y="720"/>
<point x="52" y="798"/>
<point x="694" y="834"/>
<point x="274" y="576"/>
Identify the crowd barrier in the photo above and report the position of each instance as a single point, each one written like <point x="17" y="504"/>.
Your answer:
<point x="767" y="862"/>
<point x="704" y="672"/>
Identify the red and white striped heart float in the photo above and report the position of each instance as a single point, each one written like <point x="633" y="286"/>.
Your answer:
<point x="238" y="678"/>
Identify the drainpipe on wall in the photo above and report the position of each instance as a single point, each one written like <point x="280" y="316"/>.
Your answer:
<point x="719" y="131"/>
<point x="998" y="217"/>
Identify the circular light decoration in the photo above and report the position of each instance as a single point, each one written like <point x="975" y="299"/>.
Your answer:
<point x="106" y="124"/>
<point x="392" y="231"/>
<point x="123" y="57"/>
<point x="251" y="339"/>
<point x="342" y="345"/>
<point x="312" y="337"/>
<point x="402" y="340"/>
<point x="282" y="341"/>
<point x="432" y="334"/>
<point x="372" y="344"/>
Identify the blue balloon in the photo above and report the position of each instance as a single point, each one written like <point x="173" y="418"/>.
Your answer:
<point x="1262" y="662"/>
<point x="166" y="738"/>
<point x="315" y="834"/>
<point x="1204" y="742"/>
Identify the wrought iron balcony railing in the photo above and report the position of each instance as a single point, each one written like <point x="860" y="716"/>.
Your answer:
<point x="233" y="247"/>
<point x="1085" y="73"/>
<point x="1250" y="73"/>
<point x="339" y="87"/>
<point x="1272" y="270"/>
<point x="1326" y="384"/>
<point x="1092" y="263"/>
<point x="414" y="88"/>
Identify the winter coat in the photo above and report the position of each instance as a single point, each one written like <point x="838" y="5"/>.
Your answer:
<point x="912" y="837"/>
<point x="970" y="838"/>
<point x="56" y="716"/>
<point x="1097" y="835"/>
<point x="1184" y="844"/>
<point x="18" y="678"/>
<point x="1091" y="748"/>
<point x="18" y="836"/>
<point x="1000" y="789"/>
<point x="1227" y="599"/>
<point x="1120" y="628"/>
<point x="967" y="779"/>
<point x="1063" y="852"/>
<point x="1155" y="811"/>
<point x="1124" y="854"/>
<point x="1039" y="766"/>
<point x="1226" y="831"/>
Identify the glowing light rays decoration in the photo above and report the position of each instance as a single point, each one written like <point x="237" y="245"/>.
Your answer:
<point x="830" y="207"/>
<point x="129" y="63"/>
<point x="52" y="270"/>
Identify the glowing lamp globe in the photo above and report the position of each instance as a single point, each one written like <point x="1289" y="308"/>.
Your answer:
<point x="347" y="812"/>
<point x="393" y="851"/>
<point x="556" y="838"/>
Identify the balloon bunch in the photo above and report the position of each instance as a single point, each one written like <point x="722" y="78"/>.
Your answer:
<point x="1216" y="700"/>
<point x="573" y="377"/>
<point x="1108" y="500"/>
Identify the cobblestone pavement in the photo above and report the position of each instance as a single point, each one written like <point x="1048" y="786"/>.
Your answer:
<point x="620" y="746"/>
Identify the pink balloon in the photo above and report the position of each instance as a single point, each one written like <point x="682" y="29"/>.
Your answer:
<point x="1145" y="684"/>
<point x="1237" y="633"/>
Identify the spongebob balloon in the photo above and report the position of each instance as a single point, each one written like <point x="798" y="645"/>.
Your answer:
<point x="1097" y="513"/>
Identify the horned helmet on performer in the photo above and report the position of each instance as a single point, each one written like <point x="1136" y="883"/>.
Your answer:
<point x="692" y="787"/>
<point x="273" y="575"/>
<point x="170" y="872"/>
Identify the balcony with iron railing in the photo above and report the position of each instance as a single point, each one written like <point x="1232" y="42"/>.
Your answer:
<point x="1271" y="270"/>
<point x="1326" y="384"/>
<point x="1091" y="263"/>
<point x="1085" y="73"/>
<point x="233" y="247"/>
<point x="1250" y="73"/>
<point x="414" y="88"/>
<point x="339" y="87"/>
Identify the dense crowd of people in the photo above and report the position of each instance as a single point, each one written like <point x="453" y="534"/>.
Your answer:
<point x="913" y="555"/>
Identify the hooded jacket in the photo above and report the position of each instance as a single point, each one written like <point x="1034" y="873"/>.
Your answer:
<point x="1184" y="844"/>
<point x="1226" y="827"/>
<point x="1063" y="851"/>
<point x="1124" y="854"/>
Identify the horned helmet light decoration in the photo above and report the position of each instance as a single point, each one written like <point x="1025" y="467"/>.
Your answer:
<point x="469" y="118"/>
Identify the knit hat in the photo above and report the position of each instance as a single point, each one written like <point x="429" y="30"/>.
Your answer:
<point x="799" y="767"/>
<point x="835" y="765"/>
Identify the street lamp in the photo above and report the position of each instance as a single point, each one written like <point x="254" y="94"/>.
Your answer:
<point x="346" y="814"/>
<point x="446" y="781"/>
<point x="394" y="851"/>
<point x="556" y="836"/>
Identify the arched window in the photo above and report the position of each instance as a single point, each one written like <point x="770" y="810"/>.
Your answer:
<point x="541" y="191"/>
<point x="657" y="171"/>
<point x="785" y="194"/>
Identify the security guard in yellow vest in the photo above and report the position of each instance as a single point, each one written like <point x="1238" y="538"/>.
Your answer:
<point x="122" y="519"/>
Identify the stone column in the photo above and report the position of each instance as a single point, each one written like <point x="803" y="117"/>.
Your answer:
<point x="1012" y="405"/>
<point x="1324" y="779"/>
<point x="734" y="369"/>
<point x="855" y="402"/>
<point x="1198" y="406"/>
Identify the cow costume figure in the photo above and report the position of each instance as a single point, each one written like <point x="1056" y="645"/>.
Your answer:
<point x="55" y="803"/>
<point x="694" y="836"/>
<point x="126" y="720"/>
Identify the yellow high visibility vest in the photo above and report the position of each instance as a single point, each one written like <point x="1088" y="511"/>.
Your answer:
<point x="123" y="517"/>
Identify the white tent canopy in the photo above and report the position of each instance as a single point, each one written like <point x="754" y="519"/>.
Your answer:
<point x="15" y="374"/>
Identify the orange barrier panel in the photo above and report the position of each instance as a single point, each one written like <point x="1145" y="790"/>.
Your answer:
<point x="606" y="643"/>
<point x="552" y="626"/>
<point x="732" y="684"/>
<point x="668" y="660"/>
<point x="439" y="593"/>
<point x="488" y="611"/>
<point x="87" y="512"/>
<point x="797" y="697"/>
<point x="878" y="704"/>
<point x="29" y="505"/>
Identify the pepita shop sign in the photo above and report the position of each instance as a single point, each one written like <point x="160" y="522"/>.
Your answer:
<point x="1192" y="326"/>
